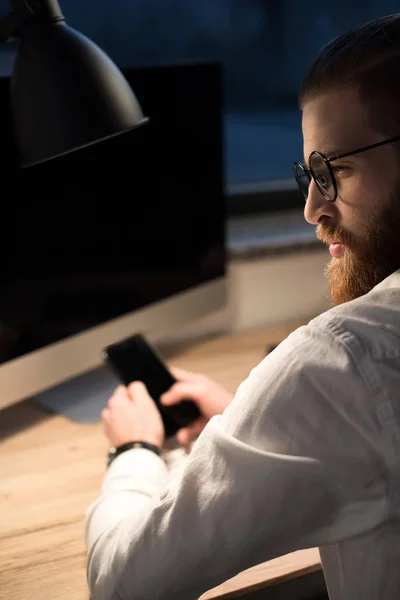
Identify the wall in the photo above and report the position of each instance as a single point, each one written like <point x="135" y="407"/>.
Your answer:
<point x="269" y="290"/>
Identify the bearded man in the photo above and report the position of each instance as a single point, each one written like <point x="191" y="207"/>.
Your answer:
<point x="307" y="452"/>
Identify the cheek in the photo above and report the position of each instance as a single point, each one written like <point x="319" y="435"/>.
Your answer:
<point x="360" y="202"/>
<point x="362" y="196"/>
<point x="354" y="196"/>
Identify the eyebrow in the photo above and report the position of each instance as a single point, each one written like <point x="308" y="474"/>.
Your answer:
<point x="336" y="152"/>
<point x="329" y="154"/>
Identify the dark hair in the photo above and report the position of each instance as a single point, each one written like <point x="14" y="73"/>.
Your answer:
<point x="368" y="59"/>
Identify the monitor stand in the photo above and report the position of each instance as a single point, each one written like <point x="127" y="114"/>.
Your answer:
<point x="81" y="399"/>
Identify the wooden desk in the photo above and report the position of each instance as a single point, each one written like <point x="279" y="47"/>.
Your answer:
<point x="51" y="470"/>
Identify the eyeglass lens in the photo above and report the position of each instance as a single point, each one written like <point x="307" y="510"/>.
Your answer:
<point x="303" y="179"/>
<point x="322" y="176"/>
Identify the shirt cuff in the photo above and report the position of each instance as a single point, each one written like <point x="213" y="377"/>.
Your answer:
<point x="133" y="467"/>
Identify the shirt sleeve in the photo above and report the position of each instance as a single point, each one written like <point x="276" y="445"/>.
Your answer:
<point x="294" y="462"/>
<point x="133" y="479"/>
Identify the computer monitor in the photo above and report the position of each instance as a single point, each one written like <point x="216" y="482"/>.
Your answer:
<point x="125" y="236"/>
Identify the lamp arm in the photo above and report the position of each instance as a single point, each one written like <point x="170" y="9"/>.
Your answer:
<point x="23" y="11"/>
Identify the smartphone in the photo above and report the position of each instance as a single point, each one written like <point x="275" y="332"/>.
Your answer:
<point x="134" y="359"/>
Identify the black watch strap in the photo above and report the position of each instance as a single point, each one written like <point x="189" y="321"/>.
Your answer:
<point x="114" y="452"/>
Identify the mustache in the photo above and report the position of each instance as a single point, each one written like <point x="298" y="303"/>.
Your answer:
<point x="330" y="233"/>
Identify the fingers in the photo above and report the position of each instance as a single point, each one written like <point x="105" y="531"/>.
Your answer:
<point x="137" y="388"/>
<point x="120" y="395"/>
<point x="188" y="434"/>
<point x="181" y="391"/>
<point x="185" y="376"/>
<point x="139" y="394"/>
<point x="123" y="394"/>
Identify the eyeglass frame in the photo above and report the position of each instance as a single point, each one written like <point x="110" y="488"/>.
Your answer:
<point x="327" y="161"/>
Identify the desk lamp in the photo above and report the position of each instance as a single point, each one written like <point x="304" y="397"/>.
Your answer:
<point x="66" y="93"/>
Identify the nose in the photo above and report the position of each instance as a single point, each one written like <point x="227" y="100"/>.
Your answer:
<point x="316" y="206"/>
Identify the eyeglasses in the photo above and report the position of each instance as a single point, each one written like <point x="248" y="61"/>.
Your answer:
<point x="321" y="171"/>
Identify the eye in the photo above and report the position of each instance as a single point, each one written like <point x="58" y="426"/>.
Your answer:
<point x="339" y="169"/>
<point x="322" y="180"/>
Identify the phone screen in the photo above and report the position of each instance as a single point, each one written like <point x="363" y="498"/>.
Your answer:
<point x="134" y="359"/>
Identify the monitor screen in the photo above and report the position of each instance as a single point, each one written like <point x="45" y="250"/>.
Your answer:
<point x="119" y="225"/>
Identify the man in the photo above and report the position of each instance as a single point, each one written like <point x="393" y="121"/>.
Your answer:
<point x="308" y="451"/>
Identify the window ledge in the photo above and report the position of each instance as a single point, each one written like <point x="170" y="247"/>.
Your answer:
<point x="254" y="236"/>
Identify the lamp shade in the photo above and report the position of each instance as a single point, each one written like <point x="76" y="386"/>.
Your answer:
<point x="66" y="93"/>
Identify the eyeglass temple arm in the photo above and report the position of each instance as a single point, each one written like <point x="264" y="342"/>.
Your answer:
<point x="365" y="148"/>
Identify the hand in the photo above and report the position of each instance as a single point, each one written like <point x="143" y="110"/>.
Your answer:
<point x="131" y="415"/>
<point x="210" y="397"/>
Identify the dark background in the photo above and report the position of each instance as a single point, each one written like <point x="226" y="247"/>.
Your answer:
<point x="117" y="226"/>
<point x="264" y="47"/>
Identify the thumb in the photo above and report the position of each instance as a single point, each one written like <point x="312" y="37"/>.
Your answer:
<point x="192" y="431"/>
<point x="137" y="389"/>
<point x="181" y="391"/>
<point x="184" y="375"/>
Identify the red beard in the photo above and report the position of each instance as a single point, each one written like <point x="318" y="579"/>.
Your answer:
<point x="367" y="261"/>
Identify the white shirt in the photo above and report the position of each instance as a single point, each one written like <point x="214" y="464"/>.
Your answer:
<point x="307" y="454"/>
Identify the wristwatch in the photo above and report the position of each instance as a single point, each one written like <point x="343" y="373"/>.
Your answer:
<point x="114" y="452"/>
